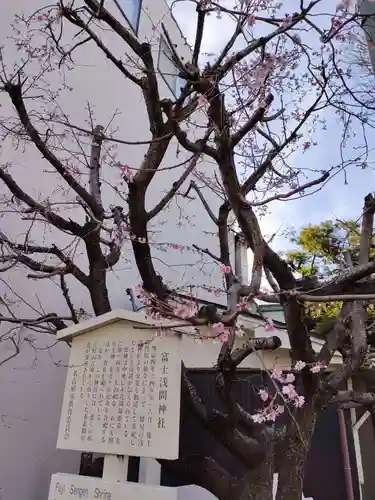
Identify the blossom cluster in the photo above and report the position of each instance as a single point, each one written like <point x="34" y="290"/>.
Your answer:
<point x="286" y="394"/>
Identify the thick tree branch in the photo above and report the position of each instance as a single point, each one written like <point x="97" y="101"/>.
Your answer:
<point x="336" y="336"/>
<point x="258" y="344"/>
<point x="94" y="181"/>
<point x="251" y="122"/>
<point x="362" y="398"/>
<point x="248" y="450"/>
<point x="65" y="292"/>
<point x="201" y="16"/>
<point x="15" y="93"/>
<point x="73" y="17"/>
<point x="57" y="321"/>
<point x="21" y="251"/>
<point x="58" y="221"/>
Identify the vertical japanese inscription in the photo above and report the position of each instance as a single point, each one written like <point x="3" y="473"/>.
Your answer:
<point x="122" y="394"/>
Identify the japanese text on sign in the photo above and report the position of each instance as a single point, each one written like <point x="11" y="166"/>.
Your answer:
<point x="122" y="394"/>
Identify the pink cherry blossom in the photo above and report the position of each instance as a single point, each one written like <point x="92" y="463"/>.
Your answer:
<point x="299" y="401"/>
<point x="202" y="100"/>
<point x="300" y="365"/>
<point x="258" y="418"/>
<point x="218" y="328"/>
<point x="126" y="171"/>
<point x="224" y="337"/>
<point x="242" y="305"/>
<point x="277" y="374"/>
<point x="289" y="378"/>
<point x="279" y="409"/>
<point x="269" y="326"/>
<point x="290" y="391"/>
<point x="263" y="394"/>
<point x="274" y="412"/>
<point x="225" y="269"/>
<point x="317" y="367"/>
<point x="250" y="20"/>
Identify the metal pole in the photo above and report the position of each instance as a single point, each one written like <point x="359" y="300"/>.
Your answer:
<point x="345" y="455"/>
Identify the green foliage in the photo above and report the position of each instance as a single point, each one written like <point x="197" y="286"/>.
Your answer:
<point x="321" y="241"/>
<point x="319" y="253"/>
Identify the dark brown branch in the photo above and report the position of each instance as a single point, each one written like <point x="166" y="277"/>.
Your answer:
<point x="65" y="292"/>
<point x="198" y="35"/>
<point x="57" y="321"/>
<point x="94" y="182"/>
<point x="198" y="146"/>
<point x="261" y="42"/>
<point x="251" y="122"/>
<point x="152" y="282"/>
<point x="56" y="220"/>
<point x="257" y="344"/>
<point x="15" y="93"/>
<point x="22" y="249"/>
<point x="14" y="354"/>
<point x="175" y="187"/>
<point x="252" y="180"/>
<point x="97" y="279"/>
<point x="336" y="336"/>
<point x="284" y="196"/>
<point x="223" y="234"/>
<point x="193" y="185"/>
<point x="103" y="14"/>
<point x="34" y="265"/>
<point x="363" y="398"/>
<point x="72" y="17"/>
<point x="144" y="51"/>
<point x="248" y="450"/>
<point x="208" y="252"/>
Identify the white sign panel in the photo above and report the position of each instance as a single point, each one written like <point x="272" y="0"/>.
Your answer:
<point x="122" y="393"/>
<point x="71" y="487"/>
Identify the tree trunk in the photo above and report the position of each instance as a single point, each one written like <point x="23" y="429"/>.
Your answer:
<point x="294" y="453"/>
<point x="258" y="482"/>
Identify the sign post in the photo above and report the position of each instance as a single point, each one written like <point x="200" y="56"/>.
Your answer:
<point x="122" y="398"/>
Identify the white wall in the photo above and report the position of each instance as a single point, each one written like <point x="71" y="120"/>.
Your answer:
<point x="31" y="385"/>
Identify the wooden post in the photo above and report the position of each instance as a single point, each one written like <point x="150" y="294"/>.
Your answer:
<point x="115" y="468"/>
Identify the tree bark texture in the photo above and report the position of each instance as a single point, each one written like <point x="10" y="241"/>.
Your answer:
<point x="294" y="453"/>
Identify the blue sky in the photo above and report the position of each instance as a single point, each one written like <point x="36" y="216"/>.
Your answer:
<point x="337" y="199"/>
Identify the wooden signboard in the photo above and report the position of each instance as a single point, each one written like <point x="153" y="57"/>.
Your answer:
<point x="122" y="393"/>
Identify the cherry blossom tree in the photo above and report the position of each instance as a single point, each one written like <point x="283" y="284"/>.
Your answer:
<point x="279" y="79"/>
